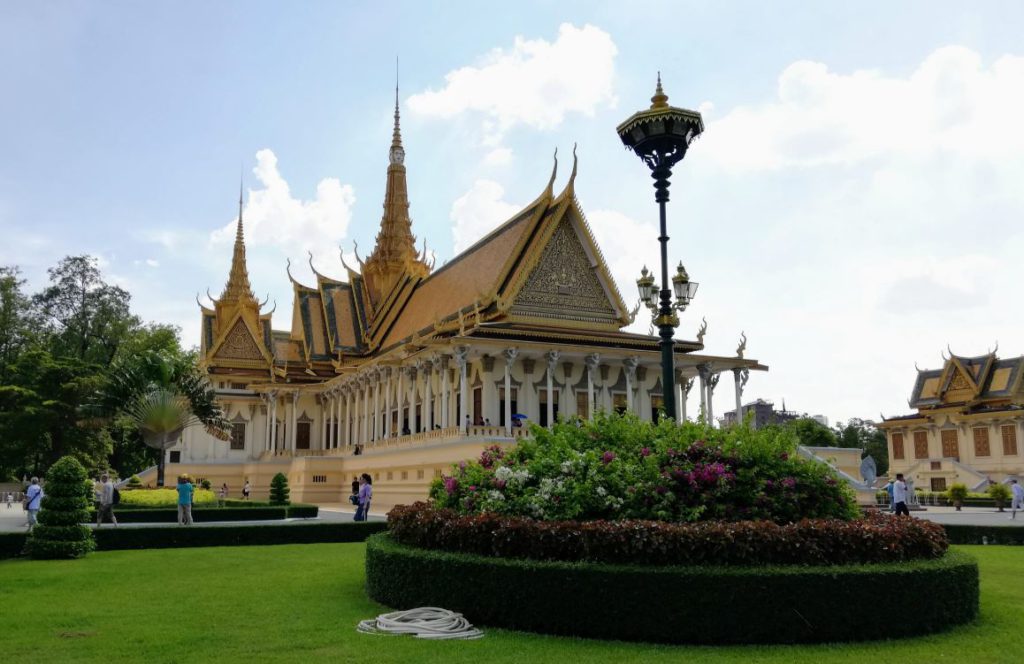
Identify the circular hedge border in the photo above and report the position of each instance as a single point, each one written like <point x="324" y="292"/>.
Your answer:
<point x="709" y="604"/>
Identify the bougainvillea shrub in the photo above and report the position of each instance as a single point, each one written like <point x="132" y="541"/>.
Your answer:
<point x="619" y="467"/>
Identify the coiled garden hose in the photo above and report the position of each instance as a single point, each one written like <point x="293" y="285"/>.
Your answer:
<point x="425" y="622"/>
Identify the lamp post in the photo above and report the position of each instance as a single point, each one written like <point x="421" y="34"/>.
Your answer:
<point x="660" y="136"/>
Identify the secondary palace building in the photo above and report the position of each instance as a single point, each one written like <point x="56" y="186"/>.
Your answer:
<point x="400" y="369"/>
<point x="967" y="425"/>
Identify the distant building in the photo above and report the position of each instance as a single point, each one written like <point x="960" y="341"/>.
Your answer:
<point x="820" y="419"/>
<point x="966" y="428"/>
<point x="764" y="413"/>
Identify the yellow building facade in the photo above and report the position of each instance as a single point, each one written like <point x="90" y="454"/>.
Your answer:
<point x="399" y="370"/>
<point x="967" y="426"/>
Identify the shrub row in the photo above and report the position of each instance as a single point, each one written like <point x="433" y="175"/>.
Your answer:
<point x="207" y="514"/>
<point x="720" y="605"/>
<point x="112" y="539"/>
<point x="872" y="539"/>
<point x="965" y="534"/>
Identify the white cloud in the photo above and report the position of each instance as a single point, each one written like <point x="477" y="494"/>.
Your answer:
<point x="950" y="104"/>
<point x="479" y="211"/>
<point x="535" y="83"/>
<point x="498" y="157"/>
<point x="274" y="218"/>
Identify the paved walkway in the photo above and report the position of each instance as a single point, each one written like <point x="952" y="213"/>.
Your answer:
<point x="970" y="516"/>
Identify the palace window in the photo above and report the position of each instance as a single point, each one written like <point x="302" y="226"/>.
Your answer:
<point x="319" y="479"/>
<point x="897" y="446"/>
<point x="501" y="403"/>
<point x="544" y="406"/>
<point x="238" y="386"/>
<point x="478" y="408"/>
<point x="619" y="402"/>
<point x="582" y="403"/>
<point x="419" y="474"/>
<point x="238" y="436"/>
<point x="920" y="444"/>
<point x="1009" y="432"/>
<point x="936" y="465"/>
<point x="938" y="484"/>
<point x="175" y="457"/>
<point x="981" y="446"/>
<point x="405" y="474"/>
<point x="391" y="475"/>
<point x="657" y="405"/>
<point x="950" y="444"/>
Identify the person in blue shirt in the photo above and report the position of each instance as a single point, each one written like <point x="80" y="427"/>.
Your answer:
<point x="889" y="490"/>
<point x="33" y="502"/>
<point x="185" y="491"/>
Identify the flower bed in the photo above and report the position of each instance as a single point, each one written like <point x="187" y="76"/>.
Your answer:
<point x="705" y="604"/>
<point x="618" y="467"/>
<point x="872" y="539"/>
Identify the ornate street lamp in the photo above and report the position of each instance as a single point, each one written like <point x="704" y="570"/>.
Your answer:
<point x="660" y="136"/>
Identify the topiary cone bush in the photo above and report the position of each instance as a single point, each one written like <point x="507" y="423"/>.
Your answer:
<point x="279" y="490"/>
<point x="957" y="495"/>
<point x="134" y="482"/>
<point x="65" y="507"/>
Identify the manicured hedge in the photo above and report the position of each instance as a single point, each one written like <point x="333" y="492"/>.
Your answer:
<point x="112" y="539"/>
<point x="708" y="604"/>
<point x="297" y="511"/>
<point x="873" y="539"/>
<point x="209" y="514"/>
<point x="964" y="534"/>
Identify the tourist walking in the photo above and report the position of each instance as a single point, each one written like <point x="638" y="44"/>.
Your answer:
<point x="33" y="501"/>
<point x="899" y="496"/>
<point x="185" y="491"/>
<point x="1016" y="498"/>
<point x="365" y="495"/>
<point x="222" y="495"/>
<point x="10" y="499"/>
<point x="106" y="496"/>
<point x="246" y="489"/>
<point x="889" y="490"/>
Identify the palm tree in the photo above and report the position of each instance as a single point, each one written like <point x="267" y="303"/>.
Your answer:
<point x="162" y="395"/>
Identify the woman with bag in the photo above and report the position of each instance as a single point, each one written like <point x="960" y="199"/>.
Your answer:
<point x="365" y="495"/>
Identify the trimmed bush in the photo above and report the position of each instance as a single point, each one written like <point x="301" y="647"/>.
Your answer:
<point x="873" y="539"/>
<point x="201" y="514"/>
<point x="279" y="490"/>
<point x="134" y="482"/>
<point x="714" y="605"/>
<point x="619" y="467"/>
<point x="65" y="506"/>
<point x="12" y="545"/>
<point x="303" y="511"/>
<point x="1000" y="493"/>
<point x="148" y="498"/>
<point x="237" y="502"/>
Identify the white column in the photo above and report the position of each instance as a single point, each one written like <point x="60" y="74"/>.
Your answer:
<point x="510" y="356"/>
<point x="294" y="421"/>
<point x="325" y="411"/>
<point x="591" y="362"/>
<point x="336" y="432"/>
<point x="387" y="401"/>
<point x="702" y="372"/>
<point x="685" y="385"/>
<point x="428" y="395"/>
<point x="629" y="365"/>
<point x="462" y="357"/>
<point x="740" y="377"/>
<point x="345" y="440"/>
<point x="712" y="384"/>
<point x="376" y="408"/>
<point x="414" y="421"/>
<point x="266" y="433"/>
<point x="552" y="361"/>
<point x="445" y="393"/>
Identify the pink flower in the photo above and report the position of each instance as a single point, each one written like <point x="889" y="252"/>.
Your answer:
<point x="451" y="485"/>
<point x="645" y="452"/>
<point x="608" y="457"/>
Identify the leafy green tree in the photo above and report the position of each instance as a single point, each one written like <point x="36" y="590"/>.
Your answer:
<point x="17" y="319"/>
<point x="279" y="490"/>
<point x="811" y="433"/>
<point x="84" y="317"/>
<point x="865" y="435"/>
<point x="160" y="394"/>
<point x="65" y="507"/>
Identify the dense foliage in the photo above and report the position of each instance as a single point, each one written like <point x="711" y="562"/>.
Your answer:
<point x="163" y="498"/>
<point x="279" y="490"/>
<point x="619" y="467"/>
<point x="873" y="539"/>
<point x="857" y="433"/>
<point x="65" y="506"/>
<point x="701" y="604"/>
<point x="58" y="350"/>
<point x="999" y="493"/>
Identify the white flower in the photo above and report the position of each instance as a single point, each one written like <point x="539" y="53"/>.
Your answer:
<point x="567" y="467"/>
<point x="495" y="495"/>
<point x="601" y="491"/>
<point x="503" y="473"/>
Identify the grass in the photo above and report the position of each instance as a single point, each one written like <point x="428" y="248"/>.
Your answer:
<point x="300" y="603"/>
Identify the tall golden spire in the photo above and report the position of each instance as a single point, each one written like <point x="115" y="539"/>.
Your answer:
<point x="237" y="288"/>
<point x="394" y="255"/>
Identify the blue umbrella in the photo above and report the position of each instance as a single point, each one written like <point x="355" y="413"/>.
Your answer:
<point x="520" y="416"/>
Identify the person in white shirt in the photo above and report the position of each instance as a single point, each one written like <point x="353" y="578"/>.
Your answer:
<point x="106" y="495"/>
<point x="899" y="496"/>
<point x="1017" y="499"/>
<point x="10" y="499"/>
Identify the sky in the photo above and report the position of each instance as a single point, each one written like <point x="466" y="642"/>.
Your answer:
<point x="854" y="206"/>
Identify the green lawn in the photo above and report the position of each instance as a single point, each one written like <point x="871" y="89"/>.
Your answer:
<point x="302" y="602"/>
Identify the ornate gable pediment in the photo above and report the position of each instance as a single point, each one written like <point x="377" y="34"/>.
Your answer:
<point x="239" y="344"/>
<point x="564" y="283"/>
<point x="959" y="384"/>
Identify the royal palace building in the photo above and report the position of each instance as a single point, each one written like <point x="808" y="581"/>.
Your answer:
<point x="399" y="369"/>
<point x="967" y="425"/>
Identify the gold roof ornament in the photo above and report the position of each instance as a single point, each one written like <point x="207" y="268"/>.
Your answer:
<point x="238" y="288"/>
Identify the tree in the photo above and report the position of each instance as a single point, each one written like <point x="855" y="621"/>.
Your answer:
<point x="65" y="507"/>
<point x="16" y="319"/>
<point x="811" y="433"/>
<point x="869" y="438"/>
<point x="84" y="317"/>
<point x="279" y="490"/>
<point x="160" y="394"/>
